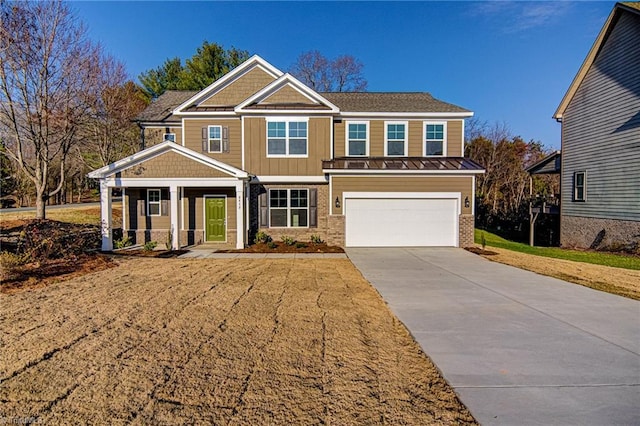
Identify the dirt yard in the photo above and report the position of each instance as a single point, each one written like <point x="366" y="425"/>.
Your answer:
<point x="170" y="341"/>
<point x="623" y="282"/>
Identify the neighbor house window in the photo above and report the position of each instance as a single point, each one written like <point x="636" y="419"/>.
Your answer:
<point x="215" y="139"/>
<point x="580" y="186"/>
<point x="357" y="139"/>
<point x="434" y="138"/>
<point x="153" y="202"/>
<point x="287" y="138"/>
<point x="396" y="139"/>
<point x="169" y="137"/>
<point x="288" y="208"/>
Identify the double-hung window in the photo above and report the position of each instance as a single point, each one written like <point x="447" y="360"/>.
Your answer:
<point x="288" y="208"/>
<point x="287" y="138"/>
<point x="214" y="143"/>
<point x="580" y="186"/>
<point x="357" y="139"/>
<point x="396" y="139"/>
<point x="169" y="137"/>
<point x="434" y="138"/>
<point x="153" y="202"/>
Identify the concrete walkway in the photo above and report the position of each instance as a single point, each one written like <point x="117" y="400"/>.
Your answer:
<point x="209" y="254"/>
<point x="519" y="348"/>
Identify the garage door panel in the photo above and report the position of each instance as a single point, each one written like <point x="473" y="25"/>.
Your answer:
<point x="398" y="222"/>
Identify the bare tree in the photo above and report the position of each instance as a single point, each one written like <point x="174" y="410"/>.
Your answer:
<point x="343" y="74"/>
<point x="47" y="70"/>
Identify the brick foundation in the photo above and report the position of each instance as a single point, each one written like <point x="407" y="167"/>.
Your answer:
<point x="335" y="232"/>
<point x="466" y="226"/>
<point x="587" y="232"/>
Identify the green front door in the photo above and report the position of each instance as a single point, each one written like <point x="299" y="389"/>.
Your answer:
<point x="215" y="219"/>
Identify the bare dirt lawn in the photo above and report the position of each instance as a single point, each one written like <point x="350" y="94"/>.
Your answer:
<point x="243" y="341"/>
<point x="623" y="282"/>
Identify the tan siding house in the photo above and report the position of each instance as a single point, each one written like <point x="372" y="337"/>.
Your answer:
<point x="259" y="150"/>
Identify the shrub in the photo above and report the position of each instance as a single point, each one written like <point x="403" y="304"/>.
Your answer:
<point x="123" y="242"/>
<point x="301" y="245"/>
<point x="288" y="240"/>
<point x="315" y="239"/>
<point x="271" y="245"/>
<point x="150" y="245"/>
<point x="262" y="237"/>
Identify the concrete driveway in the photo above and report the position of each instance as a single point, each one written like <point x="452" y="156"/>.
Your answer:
<point x="519" y="348"/>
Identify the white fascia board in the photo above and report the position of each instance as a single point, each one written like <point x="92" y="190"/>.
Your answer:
<point x="169" y="182"/>
<point x="206" y="114"/>
<point x="306" y="112"/>
<point x="228" y="78"/>
<point x="289" y="179"/>
<point x="401" y="172"/>
<point x="278" y="84"/>
<point x="398" y="115"/>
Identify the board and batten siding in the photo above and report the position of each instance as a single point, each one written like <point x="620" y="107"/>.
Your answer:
<point x="257" y="162"/>
<point x="193" y="138"/>
<point x="371" y="183"/>
<point x="415" y="136"/>
<point x="601" y="130"/>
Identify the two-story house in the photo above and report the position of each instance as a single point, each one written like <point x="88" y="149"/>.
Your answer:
<point x="600" y="116"/>
<point x="259" y="150"/>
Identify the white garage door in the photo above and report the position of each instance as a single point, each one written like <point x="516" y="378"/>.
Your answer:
<point x="401" y="222"/>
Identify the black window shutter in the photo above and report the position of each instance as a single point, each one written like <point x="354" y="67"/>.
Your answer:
<point x="225" y="139"/>
<point x="205" y="139"/>
<point x="313" y="208"/>
<point x="264" y="211"/>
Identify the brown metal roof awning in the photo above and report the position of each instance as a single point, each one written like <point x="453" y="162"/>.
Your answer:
<point x="403" y="163"/>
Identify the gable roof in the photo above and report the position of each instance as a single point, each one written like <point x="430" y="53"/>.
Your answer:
<point x="249" y="64"/>
<point x="548" y="165"/>
<point x="161" y="108"/>
<point x="391" y="102"/>
<point x="618" y="9"/>
<point x="164" y="147"/>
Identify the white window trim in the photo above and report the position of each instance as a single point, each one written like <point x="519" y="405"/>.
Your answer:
<point x="209" y="138"/>
<point x="164" y="136"/>
<point x="584" y="186"/>
<point x="286" y="120"/>
<point x="406" y="138"/>
<point x="288" y="208"/>
<point x="424" y="138"/>
<point x="346" y="138"/>
<point x="159" y="202"/>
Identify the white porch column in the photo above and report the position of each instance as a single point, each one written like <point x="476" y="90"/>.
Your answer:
<point x="105" y="216"/>
<point x="174" y="194"/>
<point x="240" y="230"/>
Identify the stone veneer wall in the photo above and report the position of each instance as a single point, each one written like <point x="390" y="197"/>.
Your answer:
<point x="300" y="234"/>
<point x="588" y="232"/>
<point x="465" y="228"/>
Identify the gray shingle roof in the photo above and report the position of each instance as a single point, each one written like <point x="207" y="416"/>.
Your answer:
<point x="389" y="102"/>
<point x="160" y="109"/>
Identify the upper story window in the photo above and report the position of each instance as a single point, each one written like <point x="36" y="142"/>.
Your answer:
<point x="153" y="202"/>
<point x="580" y="186"/>
<point x="287" y="138"/>
<point x="395" y="139"/>
<point x="357" y="139"/>
<point x="288" y="208"/>
<point x="435" y="138"/>
<point x="169" y="137"/>
<point x="214" y="143"/>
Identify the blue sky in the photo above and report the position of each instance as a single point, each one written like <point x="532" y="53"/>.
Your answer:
<point x="509" y="62"/>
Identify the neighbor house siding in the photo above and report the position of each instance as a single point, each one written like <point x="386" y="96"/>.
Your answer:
<point x="193" y="139"/>
<point x="601" y="130"/>
<point x="241" y="89"/>
<point x="341" y="184"/>
<point x="415" y="135"/>
<point x="257" y="163"/>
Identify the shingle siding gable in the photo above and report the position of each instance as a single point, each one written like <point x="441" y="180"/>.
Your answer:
<point x="601" y="129"/>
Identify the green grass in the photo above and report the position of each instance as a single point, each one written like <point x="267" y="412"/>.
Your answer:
<point x="597" y="258"/>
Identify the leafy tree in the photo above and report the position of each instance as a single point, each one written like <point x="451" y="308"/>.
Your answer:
<point x="343" y="74"/>
<point x="210" y="62"/>
<point x="47" y="83"/>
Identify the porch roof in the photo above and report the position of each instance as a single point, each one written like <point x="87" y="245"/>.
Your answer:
<point x="443" y="164"/>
